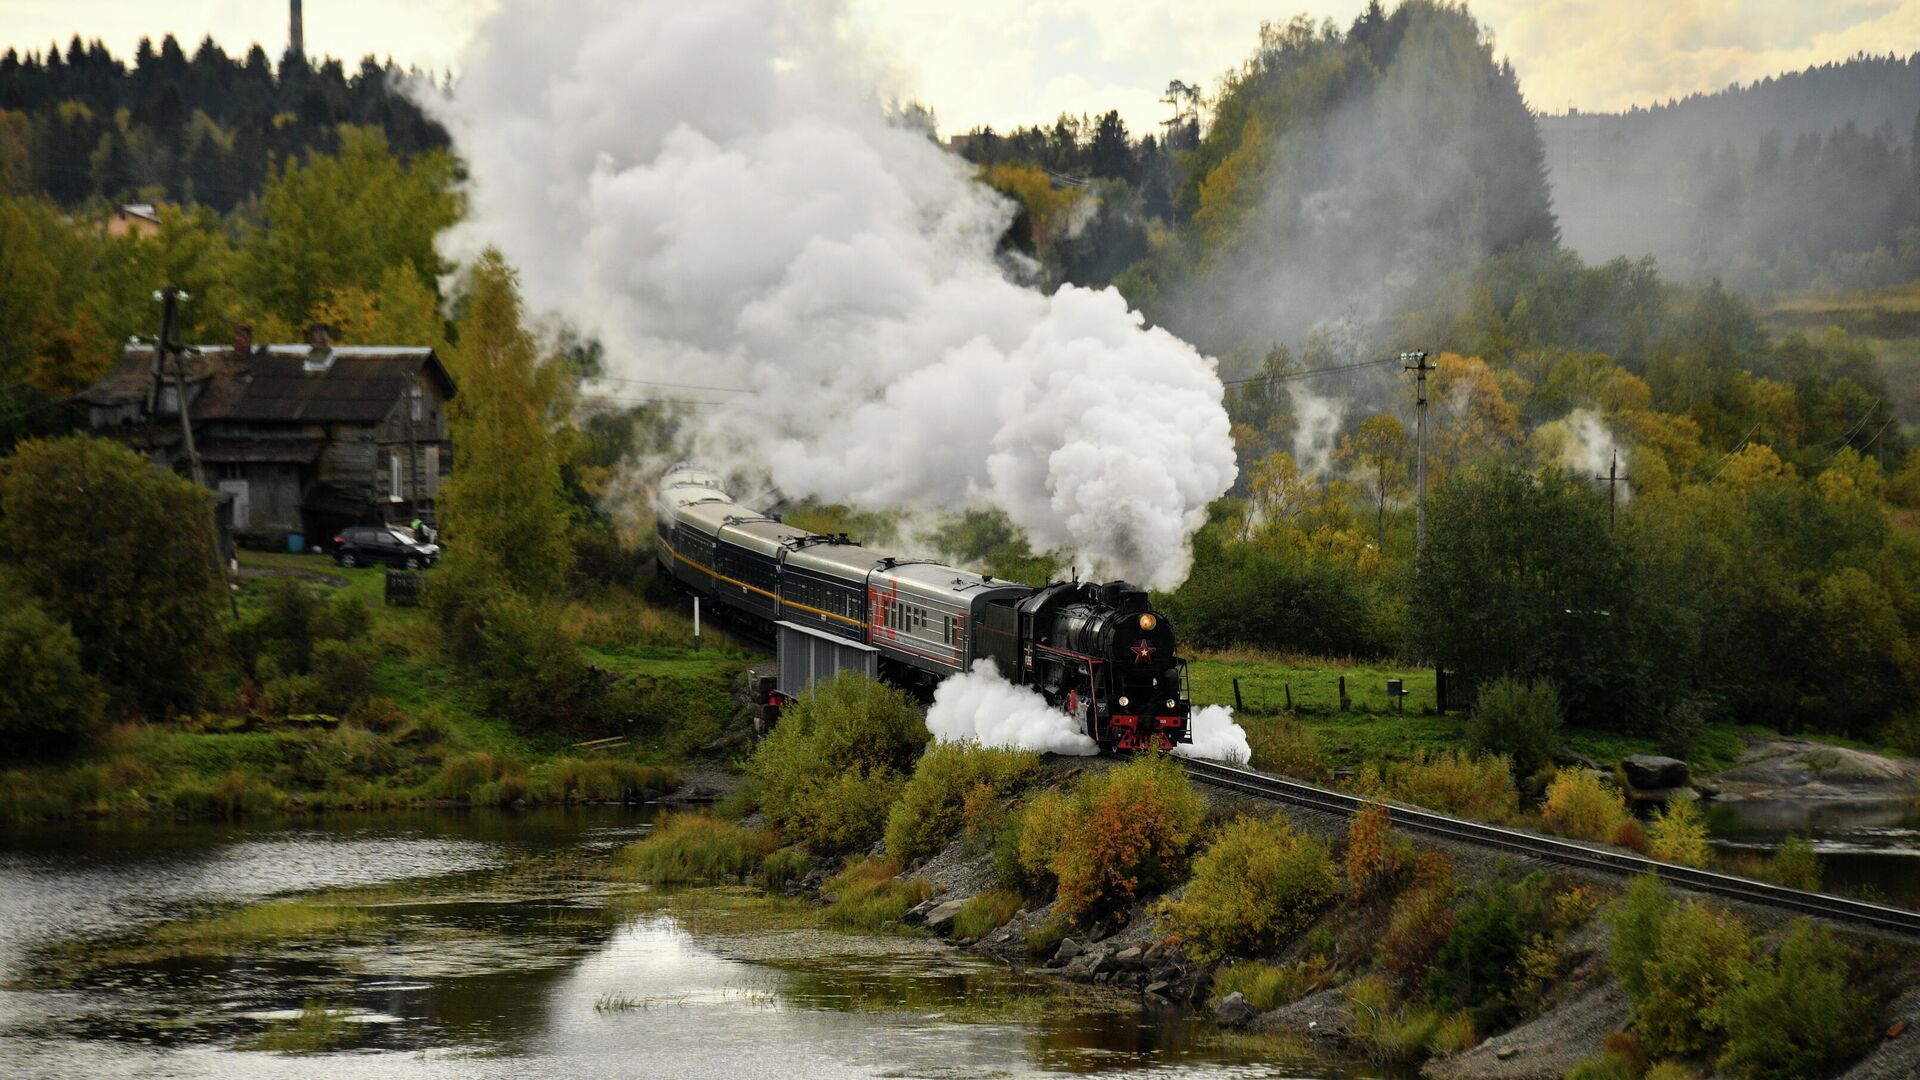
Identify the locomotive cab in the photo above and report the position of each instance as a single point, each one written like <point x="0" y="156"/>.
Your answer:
<point x="1104" y="656"/>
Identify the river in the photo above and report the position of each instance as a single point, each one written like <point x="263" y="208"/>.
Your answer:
<point x="553" y="979"/>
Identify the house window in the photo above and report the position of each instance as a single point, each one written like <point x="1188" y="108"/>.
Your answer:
<point x="393" y="477"/>
<point x="414" y="404"/>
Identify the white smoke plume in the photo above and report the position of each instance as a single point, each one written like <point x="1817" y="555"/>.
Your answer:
<point x="1216" y="737"/>
<point x="715" y="192"/>
<point x="1583" y="444"/>
<point x="981" y="707"/>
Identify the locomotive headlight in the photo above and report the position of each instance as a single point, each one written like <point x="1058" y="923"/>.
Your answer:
<point x="1169" y="703"/>
<point x="1123" y="701"/>
<point x="1148" y="622"/>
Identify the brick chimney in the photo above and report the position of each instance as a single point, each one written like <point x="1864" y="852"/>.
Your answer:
<point x="242" y="343"/>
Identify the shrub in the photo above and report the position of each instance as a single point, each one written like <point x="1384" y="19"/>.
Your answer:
<point x="695" y="849"/>
<point x="463" y="776"/>
<point x="1037" y="834"/>
<point x="1796" y="1015"/>
<point x="1632" y="835"/>
<point x="1127" y="831"/>
<point x="1269" y="986"/>
<point x="1679" y="835"/>
<point x="833" y="768"/>
<point x="1796" y="865"/>
<point x="344" y="674"/>
<point x="1518" y="719"/>
<point x="358" y="752"/>
<point x="1422" y="919"/>
<point x="1370" y="860"/>
<point x="1479" y="787"/>
<point x="986" y="912"/>
<point x="1283" y="745"/>
<point x="1258" y="883"/>
<point x="1481" y="960"/>
<point x="1608" y="1066"/>
<point x="933" y="803"/>
<point x="48" y="701"/>
<point x="1580" y="805"/>
<point x="1676" y="963"/>
<point x="870" y="897"/>
<point x="85" y="523"/>
<point x="1392" y="1031"/>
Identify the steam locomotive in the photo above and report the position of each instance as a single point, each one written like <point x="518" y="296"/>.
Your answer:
<point x="1098" y="652"/>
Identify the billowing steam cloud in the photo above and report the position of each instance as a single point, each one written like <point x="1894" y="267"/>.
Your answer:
<point x="1216" y="737"/>
<point x="714" y="191"/>
<point x="981" y="707"/>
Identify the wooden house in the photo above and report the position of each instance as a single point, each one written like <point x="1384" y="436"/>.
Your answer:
<point x="306" y="439"/>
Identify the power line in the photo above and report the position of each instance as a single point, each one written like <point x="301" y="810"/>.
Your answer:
<point x="674" y="385"/>
<point x="1288" y="376"/>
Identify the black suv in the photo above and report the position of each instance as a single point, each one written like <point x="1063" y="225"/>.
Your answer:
<point x="364" y="545"/>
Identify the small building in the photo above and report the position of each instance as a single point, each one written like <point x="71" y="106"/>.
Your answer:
<point x="304" y="439"/>
<point x="136" y="219"/>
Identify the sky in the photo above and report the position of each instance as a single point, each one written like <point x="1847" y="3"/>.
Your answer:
<point x="1007" y="62"/>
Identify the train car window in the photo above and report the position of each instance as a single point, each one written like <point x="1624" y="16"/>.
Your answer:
<point x="946" y="629"/>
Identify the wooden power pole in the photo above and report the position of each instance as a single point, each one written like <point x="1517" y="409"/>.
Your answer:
<point x="166" y="347"/>
<point x="1416" y="362"/>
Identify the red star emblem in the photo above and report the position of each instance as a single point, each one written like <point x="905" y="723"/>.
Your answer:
<point x="1142" y="653"/>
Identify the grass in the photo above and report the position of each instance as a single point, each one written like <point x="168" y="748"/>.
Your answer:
<point x="868" y="897"/>
<point x="254" y="928"/>
<point x="1269" y="986"/>
<point x="986" y="912"/>
<point x="318" y="1028"/>
<point x="693" y="849"/>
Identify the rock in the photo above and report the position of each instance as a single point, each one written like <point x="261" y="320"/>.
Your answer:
<point x="1128" y="956"/>
<point x="1154" y="952"/>
<point x="940" y="919"/>
<point x="1706" y="791"/>
<point x="1564" y="756"/>
<point x="1506" y="1052"/>
<point x="917" y="914"/>
<point x="1233" y="1011"/>
<point x="1159" y="986"/>
<point x="1649" y="771"/>
<point x="1099" y="960"/>
<point x="1069" y="948"/>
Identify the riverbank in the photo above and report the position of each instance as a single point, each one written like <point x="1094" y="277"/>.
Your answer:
<point x="332" y="700"/>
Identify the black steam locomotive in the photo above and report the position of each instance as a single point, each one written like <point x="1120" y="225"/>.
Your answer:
<point x="1096" y="651"/>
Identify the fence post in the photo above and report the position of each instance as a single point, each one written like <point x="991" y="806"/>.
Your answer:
<point x="696" y="624"/>
<point x="1237" y="706"/>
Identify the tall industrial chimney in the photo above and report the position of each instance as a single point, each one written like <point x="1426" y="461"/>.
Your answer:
<point x="298" y="45"/>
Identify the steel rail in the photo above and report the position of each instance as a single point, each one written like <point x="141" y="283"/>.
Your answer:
<point x="1565" y="852"/>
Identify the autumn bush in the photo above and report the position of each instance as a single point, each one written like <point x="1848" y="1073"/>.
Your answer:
<point x="985" y="912"/>
<point x="694" y="849"/>
<point x="1579" y="804"/>
<point x="48" y="701"/>
<point x="1269" y="986"/>
<point x="1796" y="1014"/>
<point x="1371" y="858"/>
<point x="933" y="804"/>
<point x="1421" y="920"/>
<point x="1677" y="962"/>
<point x="1679" y="835"/>
<point x="1395" y="1031"/>
<point x="1121" y="833"/>
<point x="831" y="771"/>
<point x="1467" y="785"/>
<point x="1257" y="883"/>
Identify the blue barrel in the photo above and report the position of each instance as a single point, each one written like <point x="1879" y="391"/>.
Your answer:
<point x="296" y="543"/>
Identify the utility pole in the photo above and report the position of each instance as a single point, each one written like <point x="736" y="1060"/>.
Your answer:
<point x="1417" y="362"/>
<point x="1613" y="495"/>
<point x="166" y="346"/>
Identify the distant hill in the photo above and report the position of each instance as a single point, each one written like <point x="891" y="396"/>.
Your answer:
<point x="1804" y="179"/>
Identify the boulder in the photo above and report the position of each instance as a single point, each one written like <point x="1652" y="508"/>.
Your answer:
<point x="1158" y="986"/>
<point x="940" y="919"/>
<point x="1069" y="948"/>
<point x="1651" y="771"/>
<point x="1128" y="957"/>
<point x="1233" y="1011"/>
<point x="917" y="914"/>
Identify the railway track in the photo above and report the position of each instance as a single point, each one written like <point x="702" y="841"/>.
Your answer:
<point x="1563" y="852"/>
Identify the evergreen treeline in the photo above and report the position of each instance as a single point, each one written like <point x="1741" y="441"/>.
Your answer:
<point x="1810" y="179"/>
<point x="83" y="125"/>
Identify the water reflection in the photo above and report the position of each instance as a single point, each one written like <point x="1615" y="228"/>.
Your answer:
<point x="487" y="983"/>
<point x="1871" y="847"/>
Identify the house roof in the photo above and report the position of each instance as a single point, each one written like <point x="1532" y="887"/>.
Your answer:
<point x="357" y="384"/>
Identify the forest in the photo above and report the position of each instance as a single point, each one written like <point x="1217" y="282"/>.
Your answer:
<point x="1637" y="492"/>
